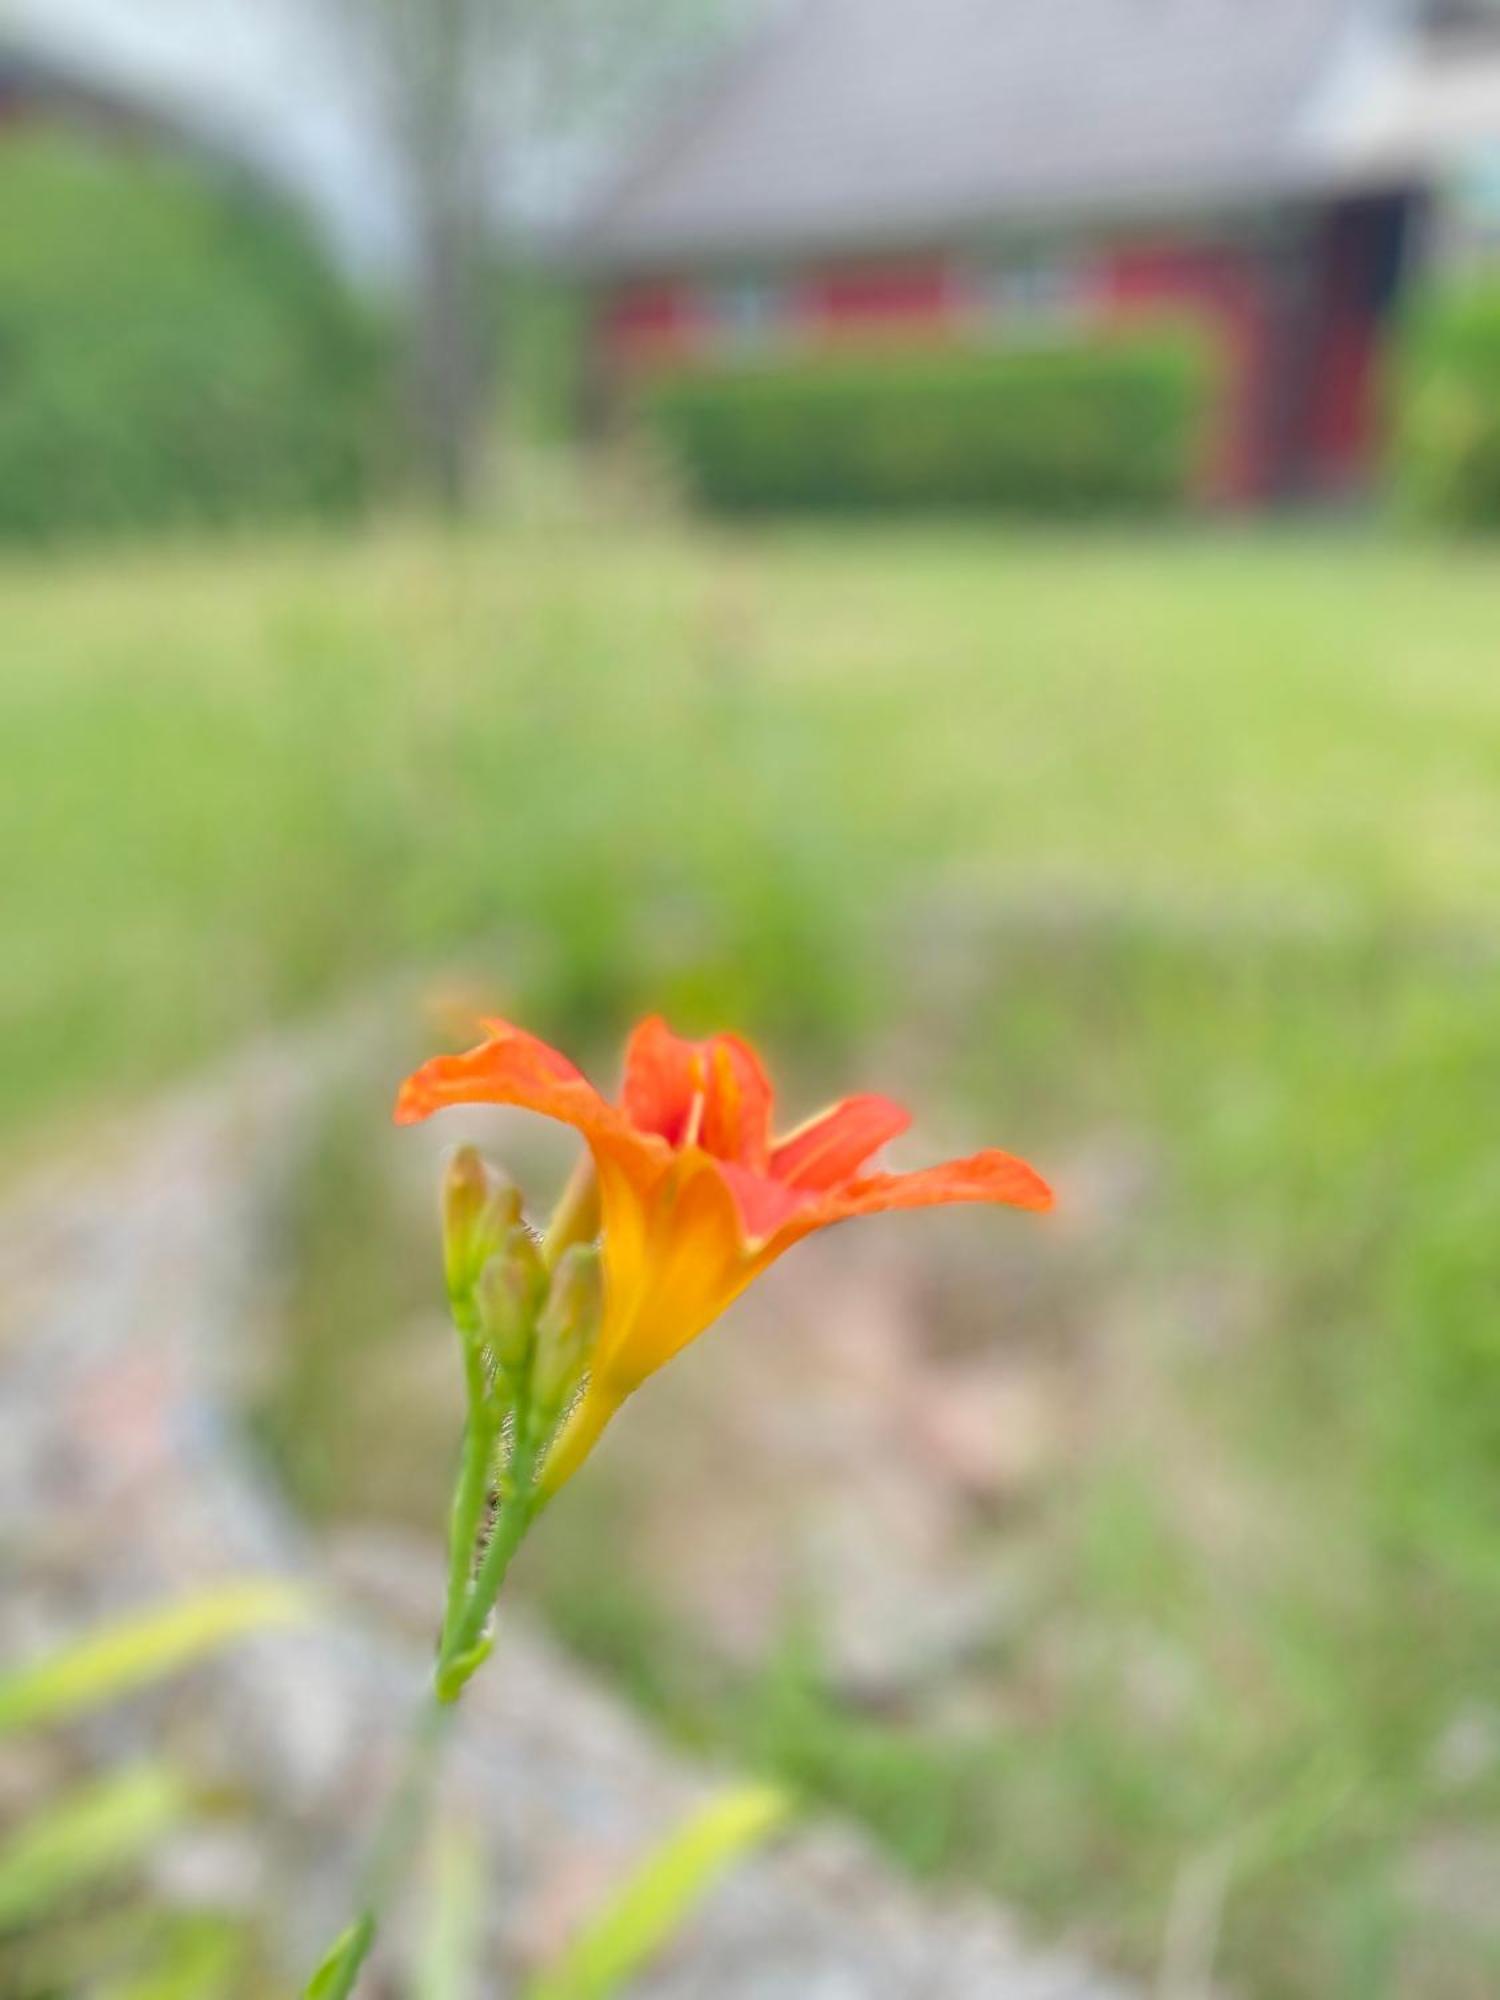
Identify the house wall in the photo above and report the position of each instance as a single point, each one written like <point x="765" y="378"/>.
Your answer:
<point x="1227" y="286"/>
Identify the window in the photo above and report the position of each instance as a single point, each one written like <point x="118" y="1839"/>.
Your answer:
<point x="745" y="312"/>
<point x="1033" y="291"/>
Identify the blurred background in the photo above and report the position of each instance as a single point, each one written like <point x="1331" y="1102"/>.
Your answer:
<point x="955" y="536"/>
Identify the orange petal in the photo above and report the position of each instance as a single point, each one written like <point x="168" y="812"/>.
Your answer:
<point x="580" y="1433"/>
<point x="513" y="1067"/>
<point x="681" y="1260"/>
<point x="679" y="1253"/>
<point x="831" y="1147"/>
<point x="713" y="1093"/>
<point x="625" y="1196"/>
<point x="663" y="1076"/>
<point x="737" y="1115"/>
<point x="765" y="1205"/>
<point x="675" y="1258"/>
<point x="988" y="1177"/>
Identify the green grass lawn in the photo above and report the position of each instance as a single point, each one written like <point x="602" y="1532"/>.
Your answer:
<point x="239" y="781"/>
<point x="1218" y="823"/>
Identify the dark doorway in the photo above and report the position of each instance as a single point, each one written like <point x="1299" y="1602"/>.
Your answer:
<point x="1359" y="252"/>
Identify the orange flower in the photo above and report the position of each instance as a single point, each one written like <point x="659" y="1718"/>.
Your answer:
<point x="697" y="1197"/>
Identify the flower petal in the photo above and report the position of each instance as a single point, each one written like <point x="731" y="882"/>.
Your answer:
<point x="675" y="1258"/>
<point x="737" y="1114"/>
<point x="582" y="1430"/>
<point x="512" y="1067"/>
<point x="833" y="1146"/>
<point x="625" y="1198"/>
<point x="765" y="1205"/>
<point x="681" y="1260"/>
<point x="713" y="1093"/>
<point x="989" y="1177"/>
<point x="663" y="1075"/>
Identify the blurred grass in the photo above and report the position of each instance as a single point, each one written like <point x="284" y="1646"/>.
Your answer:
<point x="708" y="772"/>
<point x="73" y="1851"/>
<point x="1214" y="821"/>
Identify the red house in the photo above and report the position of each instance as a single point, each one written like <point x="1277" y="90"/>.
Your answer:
<point x="1011" y="169"/>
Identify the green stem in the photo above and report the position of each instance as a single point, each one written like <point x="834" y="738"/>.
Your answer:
<point x="468" y="1609"/>
<point x="470" y="1494"/>
<point x="516" y="1515"/>
<point x="390" y="1857"/>
<point x="407" y="1811"/>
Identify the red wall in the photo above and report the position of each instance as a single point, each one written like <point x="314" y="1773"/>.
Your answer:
<point x="915" y="295"/>
<point x="652" y="322"/>
<point x="1222" y="290"/>
<point x="669" y="321"/>
<point x="657" y="321"/>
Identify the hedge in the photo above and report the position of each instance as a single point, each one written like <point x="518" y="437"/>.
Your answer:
<point x="1447" y="408"/>
<point x="1090" y="425"/>
<point x="174" y="348"/>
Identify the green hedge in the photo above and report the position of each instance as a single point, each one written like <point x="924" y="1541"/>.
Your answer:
<point x="1102" y="424"/>
<point x="1447" y="414"/>
<point x="173" y="349"/>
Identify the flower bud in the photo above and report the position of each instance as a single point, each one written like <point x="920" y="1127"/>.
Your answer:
<point x="480" y="1208"/>
<point x="569" y="1327"/>
<point x="576" y="1217"/>
<point x="509" y="1296"/>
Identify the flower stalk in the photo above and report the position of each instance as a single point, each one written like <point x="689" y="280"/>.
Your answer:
<point x="525" y="1336"/>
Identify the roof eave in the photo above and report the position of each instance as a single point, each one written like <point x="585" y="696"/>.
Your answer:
<point x="621" y="252"/>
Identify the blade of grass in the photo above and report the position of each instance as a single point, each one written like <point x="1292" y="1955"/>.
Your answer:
<point x="448" y="1961"/>
<point x="53" y="1958"/>
<point x="659" y="1898"/>
<point x="124" y="1656"/>
<point x="201" y="1958"/>
<point x="96" y="1832"/>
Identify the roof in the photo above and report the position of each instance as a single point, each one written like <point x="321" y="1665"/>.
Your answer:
<point x="29" y="77"/>
<point x="857" y="121"/>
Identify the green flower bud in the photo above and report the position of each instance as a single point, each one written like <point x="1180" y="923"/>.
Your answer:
<point x="569" y="1327"/>
<point x="576" y="1217"/>
<point x="509" y="1296"/>
<point x="480" y="1208"/>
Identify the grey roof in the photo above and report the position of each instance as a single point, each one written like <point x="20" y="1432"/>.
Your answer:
<point x="29" y="77"/>
<point x="859" y="120"/>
